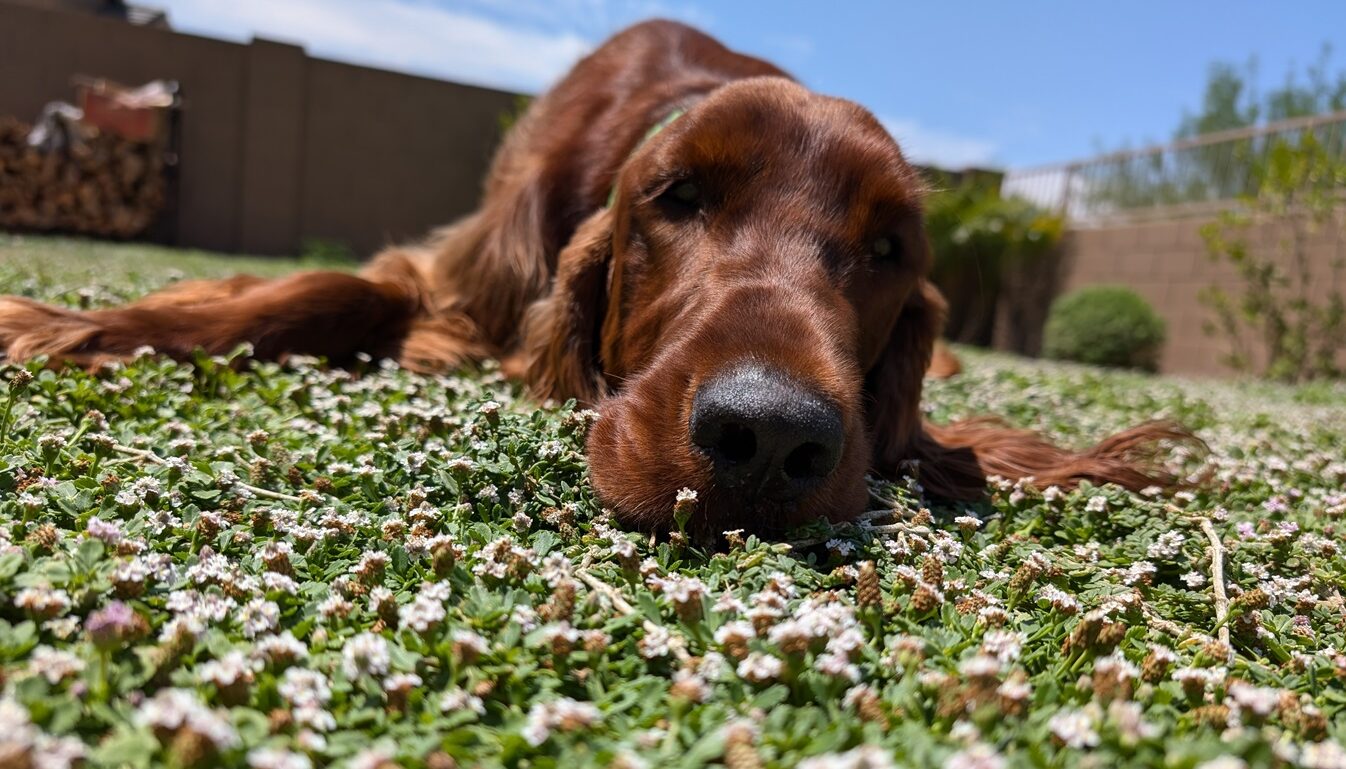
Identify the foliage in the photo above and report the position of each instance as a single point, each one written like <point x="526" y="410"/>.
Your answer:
<point x="1231" y="99"/>
<point x="325" y="252"/>
<point x="1286" y="320"/>
<point x="980" y="240"/>
<point x="1222" y="170"/>
<point x="1104" y="326"/>
<point x="217" y="565"/>
<point x="516" y="110"/>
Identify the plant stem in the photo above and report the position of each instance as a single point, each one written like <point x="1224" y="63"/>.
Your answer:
<point x="1217" y="580"/>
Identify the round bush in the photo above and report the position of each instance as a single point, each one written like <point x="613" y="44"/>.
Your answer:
<point x="1105" y="326"/>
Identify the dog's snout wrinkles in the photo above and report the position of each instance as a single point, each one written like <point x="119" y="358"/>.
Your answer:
<point x="767" y="435"/>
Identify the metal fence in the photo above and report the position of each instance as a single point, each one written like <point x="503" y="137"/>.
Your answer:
<point x="1192" y="174"/>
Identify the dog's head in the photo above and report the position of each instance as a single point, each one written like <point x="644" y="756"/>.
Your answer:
<point x="750" y="315"/>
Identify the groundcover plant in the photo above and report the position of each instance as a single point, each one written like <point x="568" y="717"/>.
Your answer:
<point x="234" y="564"/>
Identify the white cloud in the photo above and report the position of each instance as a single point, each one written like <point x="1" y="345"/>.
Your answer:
<point x="403" y="35"/>
<point x="946" y="150"/>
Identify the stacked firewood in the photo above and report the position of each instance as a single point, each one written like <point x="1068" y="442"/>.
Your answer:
<point x="103" y="185"/>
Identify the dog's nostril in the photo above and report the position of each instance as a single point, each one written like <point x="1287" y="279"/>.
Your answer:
<point x="807" y="462"/>
<point x="766" y="435"/>
<point x="737" y="443"/>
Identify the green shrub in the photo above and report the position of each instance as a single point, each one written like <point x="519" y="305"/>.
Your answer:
<point x="1105" y="326"/>
<point x="982" y="242"/>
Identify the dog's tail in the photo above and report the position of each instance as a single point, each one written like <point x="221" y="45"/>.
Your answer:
<point x="956" y="459"/>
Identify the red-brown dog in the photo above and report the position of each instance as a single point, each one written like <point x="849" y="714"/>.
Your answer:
<point x="730" y="267"/>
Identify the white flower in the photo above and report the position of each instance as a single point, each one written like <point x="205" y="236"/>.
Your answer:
<point x="54" y="664"/>
<point x="456" y="699"/>
<point x="302" y="687"/>
<point x="980" y="666"/>
<point x="847" y="642"/>
<point x="760" y="668"/>
<point x="1137" y="572"/>
<point x="365" y="654"/>
<point x="979" y="756"/>
<point x="1015" y="690"/>
<point x="426" y="610"/>
<point x="790" y="633"/>
<point x="1131" y="726"/>
<point x="258" y="616"/>
<point x="837" y="666"/>
<point x="969" y="522"/>
<point x="1204" y="677"/>
<point x="684" y="590"/>
<point x="232" y="668"/>
<point x="691" y="686"/>
<point x="1074" y="728"/>
<point x="275" y="758"/>
<point x="275" y="582"/>
<point x="736" y="632"/>
<point x="1260" y="700"/>
<point x="658" y="642"/>
<point x="1116" y="666"/>
<point x="108" y="531"/>
<point x="1004" y="645"/>
<point x="370" y="758"/>
<point x="842" y="547"/>
<point x="280" y="648"/>
<point x="471" y="642"/>
<point x="62" y="627"/>
<point x="564" y="714"/>
<point x="863" y="757"/>
<point x="556" y="568"/>
<point x="171" y="709"/>
<point x="43" y="600"/>
<point x="1327" y="754"/>
<point x="1168" y="546"/>
<point x="401" y="682"/>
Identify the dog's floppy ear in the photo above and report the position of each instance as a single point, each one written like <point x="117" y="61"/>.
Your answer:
<point x="954" y="460"/>
<point x="893" y="385"/>
<point x="562" y="332"/>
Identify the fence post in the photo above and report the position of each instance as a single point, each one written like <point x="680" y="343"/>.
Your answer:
<point x="1064" y="207"/>
<point x="273" y="102"/>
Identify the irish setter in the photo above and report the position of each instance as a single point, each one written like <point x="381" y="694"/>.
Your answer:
<point x="729" y="267"/>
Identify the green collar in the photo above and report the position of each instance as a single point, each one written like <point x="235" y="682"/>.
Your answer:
<point x="654" y="129"/>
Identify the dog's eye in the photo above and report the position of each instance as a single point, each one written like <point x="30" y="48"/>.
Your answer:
<point x="884" y="249"/>
<point x="685" y="195"/>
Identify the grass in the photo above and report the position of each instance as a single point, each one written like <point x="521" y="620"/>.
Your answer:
<point x="290" y="566"/>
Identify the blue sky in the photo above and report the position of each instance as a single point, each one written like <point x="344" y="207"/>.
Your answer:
<point x="1006" y="83"/>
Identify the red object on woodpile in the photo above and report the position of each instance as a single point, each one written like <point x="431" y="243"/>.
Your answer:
<point x="137" y="115"/>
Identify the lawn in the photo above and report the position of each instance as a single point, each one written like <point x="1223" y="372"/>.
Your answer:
<point x="290" y="566"/>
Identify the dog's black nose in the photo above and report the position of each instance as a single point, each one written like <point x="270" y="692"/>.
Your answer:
<point x="766" y="434"/>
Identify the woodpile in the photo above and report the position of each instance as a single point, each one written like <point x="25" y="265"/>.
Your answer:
<point x="105" y="185"/>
